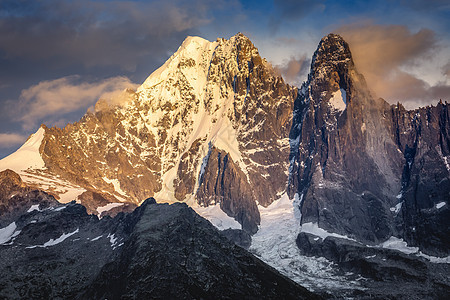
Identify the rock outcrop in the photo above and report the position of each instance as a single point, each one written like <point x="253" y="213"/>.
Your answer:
<point x="385" y="273"/>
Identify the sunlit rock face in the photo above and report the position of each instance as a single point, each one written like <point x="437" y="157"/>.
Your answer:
<point x="356" y="159"/>
<point x="157" y="141"/>
<point x="424" y="137"/>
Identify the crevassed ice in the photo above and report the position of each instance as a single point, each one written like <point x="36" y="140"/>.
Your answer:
<point x="275" y="244"/>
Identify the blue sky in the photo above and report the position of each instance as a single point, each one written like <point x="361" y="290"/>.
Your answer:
<point x="58" y="57"/>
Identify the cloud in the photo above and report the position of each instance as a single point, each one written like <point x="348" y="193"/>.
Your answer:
<point x="383" y="52"/>
<point x="446" y="70"/>
<point x="295" y="69"/>
<point x="49" y="100"/>
<point x="8" y="140"/>
<point x="96" y="33"/>
<point x="114" y="98"/>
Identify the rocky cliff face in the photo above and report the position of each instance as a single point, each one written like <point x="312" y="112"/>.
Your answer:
<point x="157" y="141"/>
<point x="353" y="156"/>
<point x="424" y="216"/>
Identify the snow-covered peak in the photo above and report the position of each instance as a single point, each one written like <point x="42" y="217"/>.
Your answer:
<point x="192" y="51"/>
<point x="27" y="156"/>
<point x="155" y="141"/>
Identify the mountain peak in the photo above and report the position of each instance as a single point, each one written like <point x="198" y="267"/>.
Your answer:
<point x="333" y="52"/>
<point x="333" y="46"/>
<point x="240" y="37"/>
<point x="189" y="40"/>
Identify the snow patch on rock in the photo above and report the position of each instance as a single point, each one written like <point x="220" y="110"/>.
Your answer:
<point x="107" y="207"/>
<point x="96" y="238"/>
<point x="53" y="242"/>
<point x="396" y="209"/>
<point x="399" y="244"/>
<point x="33" y="208"/>
<point x="338" y="100"/>
<point x="314" y="229"/>
<point x="436" y="260"/>
<point x="217" y="217"/>
<point x="112" y="239"/>
<point x="116" y="185"/>
<point x="440" y="205"/>
<point x="7" y="233"/>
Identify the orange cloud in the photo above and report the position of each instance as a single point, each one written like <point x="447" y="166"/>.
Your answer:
<point x="381" y="52"/>
<point x="49" y="100"/>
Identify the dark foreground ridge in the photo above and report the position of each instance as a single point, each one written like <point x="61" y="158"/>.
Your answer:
<point x="159" y="251"/>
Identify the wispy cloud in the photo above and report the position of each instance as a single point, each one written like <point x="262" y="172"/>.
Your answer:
<point x="50" y="100"/>
<point x="295" y="69"/>
<point x="381" y="53"/>
<point x="446" y="70"/>
<point x="8" y="140"/>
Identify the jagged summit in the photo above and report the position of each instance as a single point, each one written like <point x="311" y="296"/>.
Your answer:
<point x="210" y="128"/>
<point x="333" y="80"/>
<point x="331" y="64"/>
<point x="195" y="54"/>
<point x="332" y="50"/>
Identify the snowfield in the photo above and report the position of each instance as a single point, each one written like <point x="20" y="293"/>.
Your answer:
<point x="217" y="217"/>
<point x="274" y="243"/>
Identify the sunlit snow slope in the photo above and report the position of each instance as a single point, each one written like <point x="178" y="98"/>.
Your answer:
<point x="214" y="110"/>
<point x="28" y="163"/>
